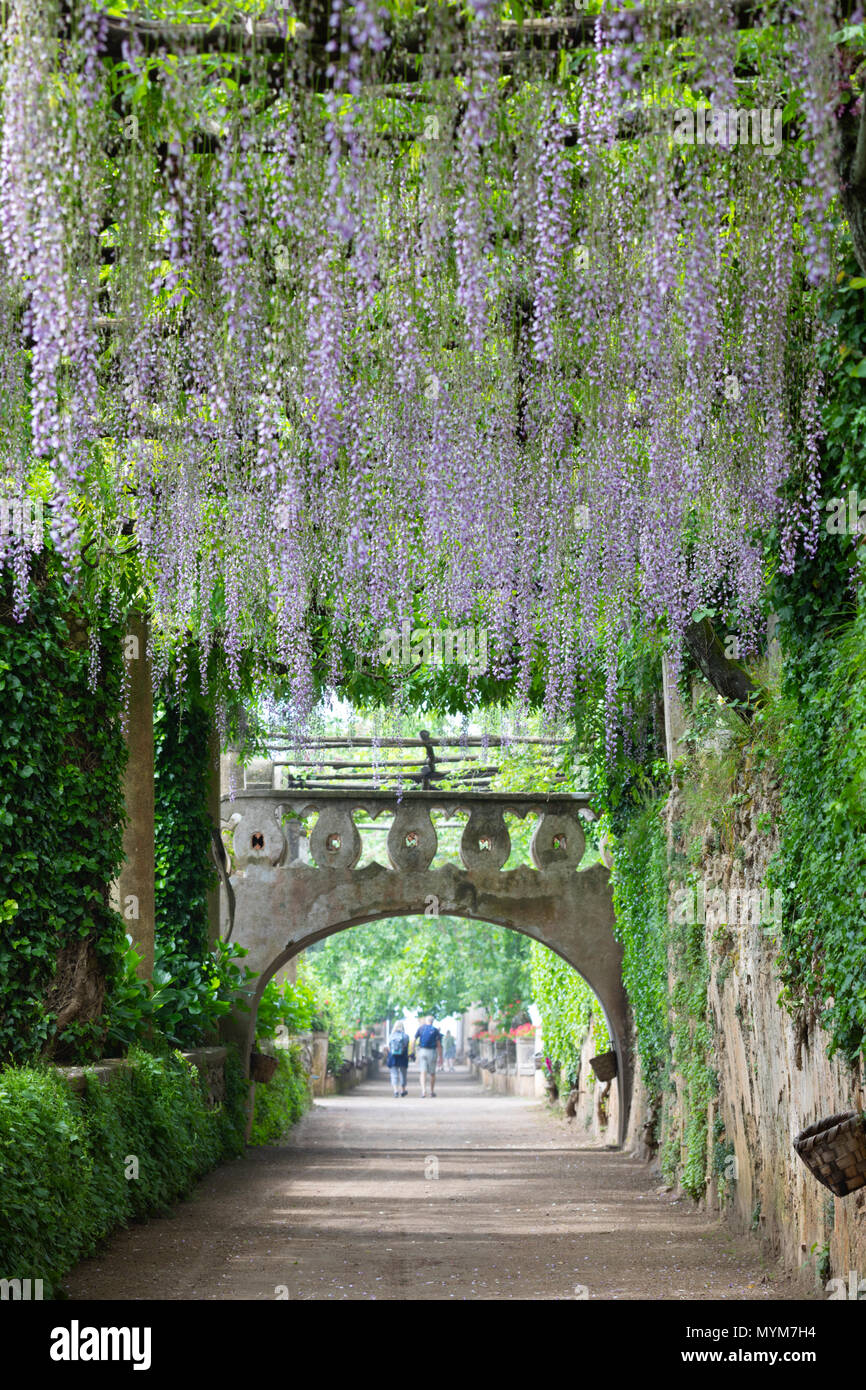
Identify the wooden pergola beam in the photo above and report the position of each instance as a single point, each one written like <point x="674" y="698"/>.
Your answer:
<point x="409" y="40"/>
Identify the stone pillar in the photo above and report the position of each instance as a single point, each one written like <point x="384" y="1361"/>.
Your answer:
<point x="675" y="715"/>
<point x="213" y="811"/>
<point x="774" y="649"/>
<point x="133" y="892"/>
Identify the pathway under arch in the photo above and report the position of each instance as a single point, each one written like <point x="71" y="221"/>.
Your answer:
<point x="282" y="905"/>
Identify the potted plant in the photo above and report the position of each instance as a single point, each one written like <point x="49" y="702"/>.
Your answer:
<point x="524" y="1040"/>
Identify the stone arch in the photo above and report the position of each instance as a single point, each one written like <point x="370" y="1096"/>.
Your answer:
<point x="281" y="909"/>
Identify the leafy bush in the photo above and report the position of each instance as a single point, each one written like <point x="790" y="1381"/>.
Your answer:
<point x="293" y="1006"/>
<point x="188" y="999"/>
<point x="65" y="1159"/>
<point x="568" y="1007"/>
<point x="283" y="1100"/>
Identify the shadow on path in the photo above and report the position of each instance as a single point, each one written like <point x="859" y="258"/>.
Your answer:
<point x="467" y="1196"/>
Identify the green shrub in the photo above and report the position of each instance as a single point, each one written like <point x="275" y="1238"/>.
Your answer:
<point x="185" y="1004"/>
<point x="66" y="1161"/>
<point x="568" y="1008"/>
<point x="283" y="1100"/>
<point x="292" y="1005"/>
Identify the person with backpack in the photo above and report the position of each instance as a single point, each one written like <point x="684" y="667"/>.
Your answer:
<point x="428" y="1045"/>
<point x="397" y="1060"/>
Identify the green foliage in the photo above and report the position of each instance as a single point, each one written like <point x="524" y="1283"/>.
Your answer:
<point x="568" y="1009"/>
<point x="64" y="1159"/>
<point x="182" y="833"/>
<point x="623" y="773"/>
<point x="640" y="895"/>
<point x="283" y="1100"/>
<point x="692" y="1043"/>
<point x="812" y="600"/>
<point x="185" y="1003"/>
<point x="432" y="964"/>
<point x="293" y="1006"/>
<point x="62" y="756"/>
<point x="821" y="864"/>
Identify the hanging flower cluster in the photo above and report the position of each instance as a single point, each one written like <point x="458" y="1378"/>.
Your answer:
<point x="522" y="343"/>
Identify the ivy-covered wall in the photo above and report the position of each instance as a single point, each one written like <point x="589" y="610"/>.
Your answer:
<point x="640" y="896"/>
<point x="183" y="864"/>
<point x="821" y="866"/>
<point x="62" y="756"/>
<point x="568" y="1009"/>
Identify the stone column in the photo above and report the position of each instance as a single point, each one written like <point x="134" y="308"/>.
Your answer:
<point x="675" y="715"/>
<point x="133" y="892"/>
<point x="774" y="649"/>
<point x="213" y="811"/>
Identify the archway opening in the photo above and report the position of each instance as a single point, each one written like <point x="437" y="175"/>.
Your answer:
<point x="514" y="1016"/>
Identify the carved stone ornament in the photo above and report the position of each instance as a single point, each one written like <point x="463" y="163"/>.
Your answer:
<point x="336" y="841"/>
<point x="412" y="840"/>
<point x="258" y="839"/>
<point x="558" y="842"/>
<point x="486" y="843"/>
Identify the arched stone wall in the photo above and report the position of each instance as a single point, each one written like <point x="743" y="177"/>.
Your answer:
<point x="280" y="909"/>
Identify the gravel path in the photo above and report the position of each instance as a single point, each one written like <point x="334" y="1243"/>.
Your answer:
<point x="469" y="1195"/>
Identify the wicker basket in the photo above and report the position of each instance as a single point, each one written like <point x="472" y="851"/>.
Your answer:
<point x="262" y="1067"/>
<point x="604" y="1066"/>
<point x="834" y="1151"/>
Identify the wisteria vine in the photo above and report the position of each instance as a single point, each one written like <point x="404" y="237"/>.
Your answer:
<point x="492" y="348"/>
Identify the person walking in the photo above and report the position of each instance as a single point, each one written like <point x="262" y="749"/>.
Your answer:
<point x="428" y="1044"/>
<point x="398" y="1058"/>
<point x="449" y="1048"/>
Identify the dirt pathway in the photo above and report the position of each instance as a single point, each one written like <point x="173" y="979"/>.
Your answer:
<point x="466" y="1196"/>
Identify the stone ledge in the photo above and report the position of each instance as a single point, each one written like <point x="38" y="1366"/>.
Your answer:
<point x="206" y="1059"/>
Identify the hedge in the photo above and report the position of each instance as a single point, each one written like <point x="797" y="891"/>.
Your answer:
<point x="68" y="1162"/>
<point x="283" y="1100"/>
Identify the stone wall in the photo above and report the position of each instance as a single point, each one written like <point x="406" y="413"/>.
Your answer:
<point x="773" y="1079"/>
<point x="596" y="1105"/>
<point x="209" y="1060"/>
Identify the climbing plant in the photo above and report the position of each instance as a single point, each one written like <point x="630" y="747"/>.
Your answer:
<point x="640" y="896"/>
<point x="568" y="1010"/>
<point x="821" y="866"/>
<point x="62" y="756"/>
<point x="184" y="869"/>
<point x="337" y="360"/>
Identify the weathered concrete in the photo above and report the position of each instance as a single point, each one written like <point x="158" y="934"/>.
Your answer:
<point x="283" y="907"/>
<point x="213" y="812"/>
<point x="210" y="1062"/>
<point x="133" y="893"/>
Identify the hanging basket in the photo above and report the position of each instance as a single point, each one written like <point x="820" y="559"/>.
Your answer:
<point x="604" y="1066"/>
<point x="262" y="1067"/>
<point x="834" y="1151"/>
